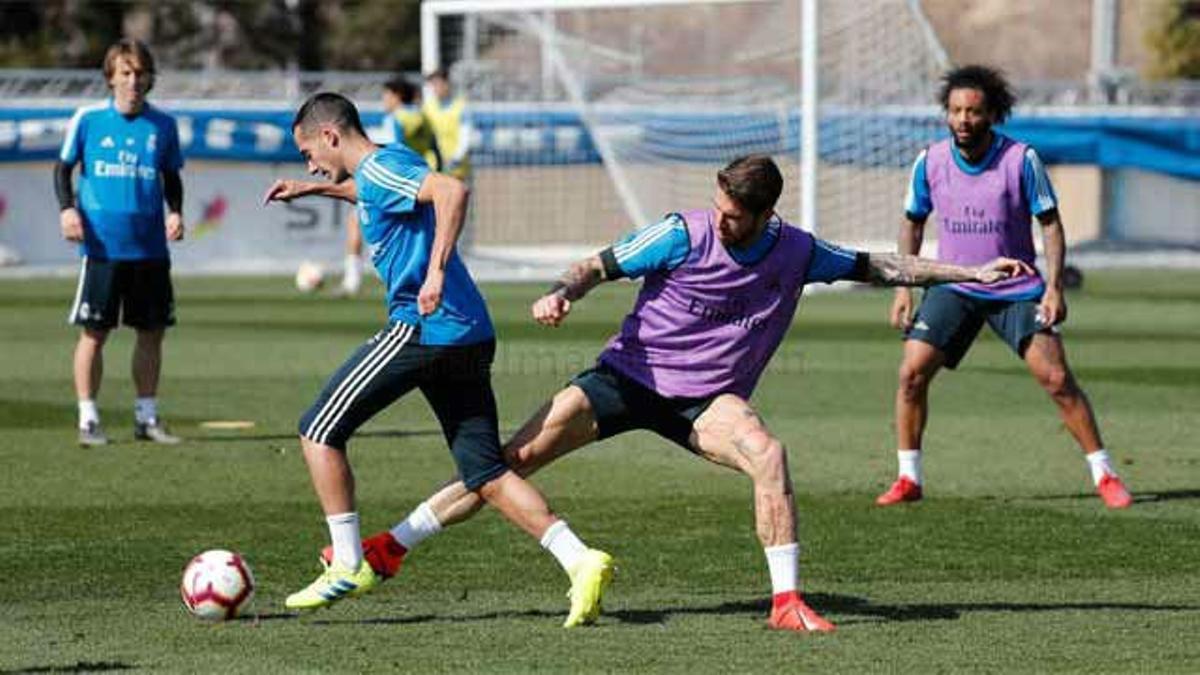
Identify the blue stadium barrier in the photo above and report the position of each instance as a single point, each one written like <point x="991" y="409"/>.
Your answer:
<point x="514" y="137"/>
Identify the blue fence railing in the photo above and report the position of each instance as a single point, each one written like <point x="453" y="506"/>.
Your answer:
<point x="1166" y="144"/>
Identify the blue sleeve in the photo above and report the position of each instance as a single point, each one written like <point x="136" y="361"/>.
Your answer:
<point x="172" y="157"/>
<point x="654" y="248"/>
<point x="1035" y="184"/>
<point x="917" y="202"/>
<point x="831" y="263"/>
<point x="392" y="183"/>
<point x="72" y="147"/>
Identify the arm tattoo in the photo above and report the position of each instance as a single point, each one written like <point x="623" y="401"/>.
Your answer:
<point x="579" y="278"/>
<point x="892" y="269"/>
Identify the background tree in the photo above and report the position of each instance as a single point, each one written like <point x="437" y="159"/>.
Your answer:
<point x="1174" y="39"/>
<point x="215" y="34"/>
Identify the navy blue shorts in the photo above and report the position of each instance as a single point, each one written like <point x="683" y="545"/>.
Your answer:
<point x="455" y="380"/>
<point x="138" y="292"/>
<point x="950" y="321"/>
<point x="622" y="404"/>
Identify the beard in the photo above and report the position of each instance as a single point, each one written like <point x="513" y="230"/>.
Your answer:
<point x="974" y="141"/>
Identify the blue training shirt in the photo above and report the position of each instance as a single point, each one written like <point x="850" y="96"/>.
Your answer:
<point x="401" y="230"/>
<point x="664" y="245"/>
<point x="120" y="185"/>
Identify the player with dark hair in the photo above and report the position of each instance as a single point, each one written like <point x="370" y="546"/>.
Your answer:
<point x="985" y="189"/>
<point x="987" y="81"/>
<point x="439" y="339"/>
<point x="721" y="287"/>
<point x="129" y="159"/>
<point x="405" y="121"/>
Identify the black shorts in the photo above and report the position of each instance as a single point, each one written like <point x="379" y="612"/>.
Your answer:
<point x="456" y="381"/>
<point x="138" y="292"/>
<point x="950" y="321"/>
<point x="622" y="404"/>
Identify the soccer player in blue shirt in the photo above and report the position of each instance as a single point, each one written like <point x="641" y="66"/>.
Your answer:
<point x="439" y="339"/>
<point x="129" y="159"/>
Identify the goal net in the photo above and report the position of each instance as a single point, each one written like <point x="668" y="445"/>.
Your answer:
<point x="589" y="118"/>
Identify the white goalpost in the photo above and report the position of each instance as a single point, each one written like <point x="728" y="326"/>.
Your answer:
<point x="590" y="117"/>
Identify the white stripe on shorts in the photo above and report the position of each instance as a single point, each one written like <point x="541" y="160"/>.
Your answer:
<point x="335" y="408"/>
<point x="74" y="313"/>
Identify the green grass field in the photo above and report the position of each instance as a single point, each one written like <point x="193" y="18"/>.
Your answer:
<point x="1010" y="564"/>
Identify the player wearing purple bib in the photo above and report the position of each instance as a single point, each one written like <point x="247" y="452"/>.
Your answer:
<point x="984" y="189"/>
<point x="721" y="286"/>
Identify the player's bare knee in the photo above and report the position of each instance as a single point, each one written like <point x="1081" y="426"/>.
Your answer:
<point x="913" y="381"/>
<point x="492" y="490"/>
<point x="1057" y="382"/>
<point x="764" y="456"/>
<point x="96" y="336"/>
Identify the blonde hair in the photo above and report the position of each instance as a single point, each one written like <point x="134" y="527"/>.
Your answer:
<point x="136" y="52"/>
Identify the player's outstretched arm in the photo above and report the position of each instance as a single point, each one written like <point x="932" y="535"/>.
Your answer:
<point x="575" y="282"/>
<point x="894" y="269"/>
<point x="285" y="190"/>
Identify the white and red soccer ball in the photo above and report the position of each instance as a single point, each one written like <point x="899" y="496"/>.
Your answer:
<point x="310" y="276"/>
<point x="217" y="585"/>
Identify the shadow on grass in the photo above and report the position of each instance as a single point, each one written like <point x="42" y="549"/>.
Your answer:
<point x="1138" y="497"/>
<point x="78" y="667"/>
<point x="868" y="612"/>
<point x="854" y="610"/>
<point x="378" y="433"/>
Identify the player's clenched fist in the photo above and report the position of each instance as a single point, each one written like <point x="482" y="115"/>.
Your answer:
<point x="174" y="226"/>
<point x="71" y="224"/>
<point x="902" y="309"/>
<point x="551" y="309"/>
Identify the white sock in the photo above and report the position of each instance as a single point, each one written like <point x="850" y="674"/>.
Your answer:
<point x="418" y="525"/>
<point x="1100" y="464"/>
<point x="88" y="413"/>
<point x="784" y="564"/>
<point x="347" y="541"/>
<point x="145" y="410"/>
<point x="563" y="544"/>
<point x="910" y="464"/>
<point x="352" y="272"/>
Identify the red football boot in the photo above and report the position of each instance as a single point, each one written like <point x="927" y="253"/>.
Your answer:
<point x="382" y="551"/>
<point x="903" y="490"/>
<point x="790" y="613"/>
<point x="1113" y="492"/>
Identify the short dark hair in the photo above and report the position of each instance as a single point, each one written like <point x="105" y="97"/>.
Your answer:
<point x="328" y="108"/>
<point x="753" y="181"/>
<point x="437" y="74"/>
<point x="991" y="81"/>
<point x="403" y="89"/>
<point x="135" y="51"/>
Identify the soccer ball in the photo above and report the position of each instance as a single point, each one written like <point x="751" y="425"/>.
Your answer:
<point x="216" y="585"/>
<point x="309" y="277"/>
